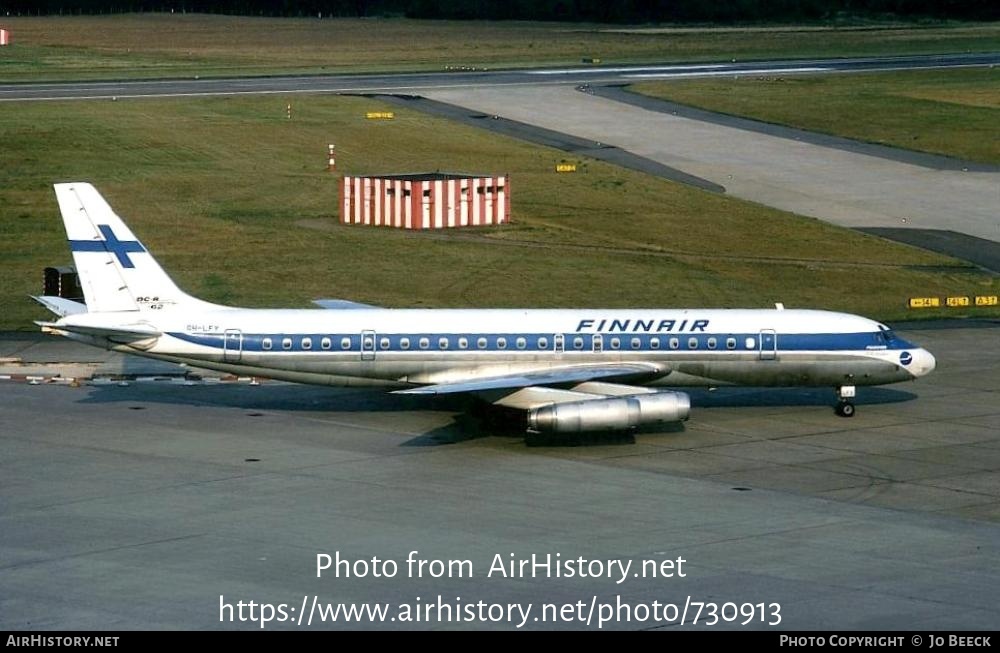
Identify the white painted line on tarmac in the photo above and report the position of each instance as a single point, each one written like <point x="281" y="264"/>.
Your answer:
<point x="718" y="73"/>
<point x="576" y="71"/>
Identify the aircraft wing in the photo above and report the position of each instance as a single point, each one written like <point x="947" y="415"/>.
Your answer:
<point x="564" y="376"/>
<point x="341" y="304"/>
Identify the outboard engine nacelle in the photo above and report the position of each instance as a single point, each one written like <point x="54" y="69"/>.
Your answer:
<point x="612" y="414"/>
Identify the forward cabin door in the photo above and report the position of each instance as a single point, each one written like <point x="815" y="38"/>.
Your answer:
<point x="367" y="345"/>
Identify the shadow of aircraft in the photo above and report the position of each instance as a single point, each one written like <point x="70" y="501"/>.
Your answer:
<point x="472" y="418"/>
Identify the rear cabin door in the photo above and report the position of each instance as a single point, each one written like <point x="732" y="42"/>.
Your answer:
<point x="232" y="346"/>
<point x="768" y="345"/>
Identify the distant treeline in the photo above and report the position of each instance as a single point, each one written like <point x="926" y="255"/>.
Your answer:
<point x="601" y="11"/>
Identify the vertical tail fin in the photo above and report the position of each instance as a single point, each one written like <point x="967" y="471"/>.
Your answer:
<point x="116" y="271"/>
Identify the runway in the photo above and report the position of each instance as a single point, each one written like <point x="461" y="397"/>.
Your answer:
<point x="414" y="82"/>
<point x="143" y="506"/>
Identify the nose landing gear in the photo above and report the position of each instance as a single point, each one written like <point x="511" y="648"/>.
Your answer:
<point x="845" y="407"/>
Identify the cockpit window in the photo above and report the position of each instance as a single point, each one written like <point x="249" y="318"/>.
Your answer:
<point x="885" y="335"/>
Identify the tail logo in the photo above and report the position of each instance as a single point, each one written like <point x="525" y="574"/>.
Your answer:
<point x="110" y="244"/>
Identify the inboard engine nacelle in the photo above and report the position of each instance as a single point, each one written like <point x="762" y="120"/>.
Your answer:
<point x="616" y="414"/>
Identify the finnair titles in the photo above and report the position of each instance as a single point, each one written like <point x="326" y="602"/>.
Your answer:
<point x="640" y="325"/>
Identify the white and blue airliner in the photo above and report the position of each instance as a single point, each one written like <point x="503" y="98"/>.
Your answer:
<point x="569" y="370"/>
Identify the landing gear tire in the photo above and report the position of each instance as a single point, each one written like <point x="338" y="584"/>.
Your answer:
<point x="845" y="409"/>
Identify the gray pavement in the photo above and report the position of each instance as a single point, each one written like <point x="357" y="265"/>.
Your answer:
<point x="620" y="93"/>
<point x="139" y="506"/>
<point x="844" y="187"/>
<point x="550" y="138"/>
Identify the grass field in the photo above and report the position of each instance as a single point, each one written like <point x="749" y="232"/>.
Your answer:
<point x="235" y="201"/>
<point x="953" y="112"/>
<point x="175" y="45"/>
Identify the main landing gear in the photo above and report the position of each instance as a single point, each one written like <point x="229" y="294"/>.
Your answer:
<point x="845" y="407"/>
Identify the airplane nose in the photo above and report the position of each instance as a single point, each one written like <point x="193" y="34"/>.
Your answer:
<point x="923" y="363"/>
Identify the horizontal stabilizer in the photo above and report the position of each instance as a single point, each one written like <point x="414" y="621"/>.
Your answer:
<point x="127" y="333"/>
<point x="60" y="305"/>
<point x="341" y="304"/>
<point x="552" y="376"/>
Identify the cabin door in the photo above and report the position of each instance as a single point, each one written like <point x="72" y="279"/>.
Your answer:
<point x="367" y="345"/>
<point x="768" y="345"/>
<point x="232" y="346"/>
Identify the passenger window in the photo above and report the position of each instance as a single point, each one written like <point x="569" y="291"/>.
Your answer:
<point x="654" y="343"/>
<point x="286" y="343"/>
<point x="675" y="343"/>
<point x="442" y="343"/>
<point x="577" y="343"/>
<point x="425" y="343"/>
<point x="636" y="343"/>
<point x="325" y="343"/>
<point x="521" y="343"/>
<point x="730" y="343"/>
<point x="266" y="344"/>
<point x="751" y="343"/>
<point x="615" y="343"/>
<point x="383" y="343"/>
<point x="345" y="343"/>
<point x="712" y="343"/>
<point x="692" y="343"/>
<point x="543" y="343"/>
<point x="307" y="343"/>
<point x="501" y="343"/>
<point x="463" y="343"/>
<point x="404" y="343"/>
<point x="481" y="343"/>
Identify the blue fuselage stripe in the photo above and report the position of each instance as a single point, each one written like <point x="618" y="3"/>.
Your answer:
<point x="538" y="342"/>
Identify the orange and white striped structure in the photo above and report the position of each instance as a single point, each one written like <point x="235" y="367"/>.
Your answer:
<point x="425" y="201"/>
<point x="4" y="36"/>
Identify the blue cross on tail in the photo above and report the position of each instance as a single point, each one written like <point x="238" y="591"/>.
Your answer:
<point x="110" y="244"/>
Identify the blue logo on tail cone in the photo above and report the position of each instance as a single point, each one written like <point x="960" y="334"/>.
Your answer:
<point x="906" y="358"/>
<point x="110" y="244"/>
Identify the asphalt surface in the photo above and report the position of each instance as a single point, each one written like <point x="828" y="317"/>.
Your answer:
<point x="144" y="506"/>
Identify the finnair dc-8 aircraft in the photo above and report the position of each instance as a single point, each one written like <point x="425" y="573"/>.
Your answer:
<point x="570" y="370"/>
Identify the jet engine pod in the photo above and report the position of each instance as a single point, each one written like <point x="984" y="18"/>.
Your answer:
<point x="613" y="414"/>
